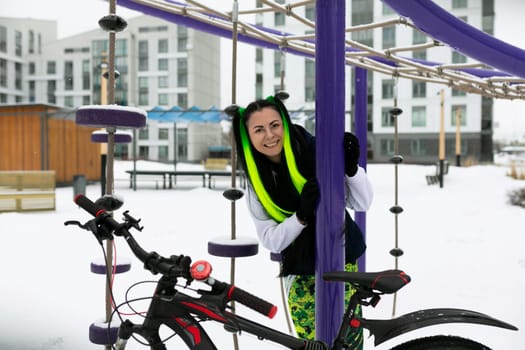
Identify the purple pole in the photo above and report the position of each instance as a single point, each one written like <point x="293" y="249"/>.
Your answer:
<point x="361" y="127"/>
<point x="330" y="117"/>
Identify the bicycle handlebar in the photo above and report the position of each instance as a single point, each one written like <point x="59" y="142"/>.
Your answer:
<point x="176" y="265"/>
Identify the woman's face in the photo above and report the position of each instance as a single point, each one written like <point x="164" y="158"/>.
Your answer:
<point x="265" y="129"/>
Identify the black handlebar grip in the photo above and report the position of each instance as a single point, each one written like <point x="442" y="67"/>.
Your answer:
<point x="251" y="301"/>
<point x="87" y="204"/>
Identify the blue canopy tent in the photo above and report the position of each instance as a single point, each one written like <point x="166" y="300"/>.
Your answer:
<point x="178" y="115"/>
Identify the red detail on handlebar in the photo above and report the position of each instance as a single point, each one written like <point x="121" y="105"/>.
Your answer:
<point x="200" y="270"/>
<point x="272" y="312"/>
<point x="101" y="211"/>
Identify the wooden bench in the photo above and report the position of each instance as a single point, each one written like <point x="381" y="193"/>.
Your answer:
<point x="27" y="190"/>
<point x="216" y="164"/>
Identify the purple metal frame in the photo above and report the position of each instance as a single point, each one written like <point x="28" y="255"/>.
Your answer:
<point x="330" y="113"/>
<point x="445" y="27"/>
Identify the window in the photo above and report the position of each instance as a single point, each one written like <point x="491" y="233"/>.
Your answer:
<point x="68" y="101"/>
<point x="258" y="55"/>
<point x="163" y="152"/>
<point x="182" y="100"/>
<point x="419" y="89"/>
<point x="419" y="116"/>
<point x="459" y="4"/>
<point x="18" y="75"/>
<point x="163" y="46"/>
<point x="417" y="148"/>
<point x="182" y="72"/>
<point x="121" y="47"/>
<point x="387" y="147"/>
<point x="182" y="39"/>
<point x="143" y="91"/>
<point x="51" y="67"/>
<point x="31" y="44"/>
<point x="144" y="152"/>
<point x="456" y="92"/>
<point x="143" y="55"/>
<point x="163" y="133"/>
<point x="182" y="144"/>
<point x="32" y="97"/>
<point x="389" y="37"/>
<point x="387" y="120"/>
<point x="163" y="99"/>
<point x="279" y="19"/>
<point x="163" y="82"/>
<point x="418" y="37"/>
<point x="387" y="88"/>
<point x="18" y="43"/>
<point x="462" y="114"/>
<point x="387" y="10"/>
<point x="3" y="72"/>
<point x="68" y="75"/>
<point x="163" y="64"/>
<point x="309" y="12"/>
<point x="258" y="86"/>
<point x="144" y="133"/>
<point x="86" y="100"/>
<point x="309" y="80"/>
<point x="458" y="57"/>
<point x="3" y="98"/>
<point x="420" y="55"/>
<point x="3" y="39"/>
<point x="31" y="68"/>
<point x="278" y="58"/>
<point x="86" y="77"/>
<point x="51" y="88"/>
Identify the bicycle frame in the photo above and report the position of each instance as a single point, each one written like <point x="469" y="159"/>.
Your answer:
<point x="183" y="313"/>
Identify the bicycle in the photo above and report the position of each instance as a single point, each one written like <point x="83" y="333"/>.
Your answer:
<point x="183" y="313"/>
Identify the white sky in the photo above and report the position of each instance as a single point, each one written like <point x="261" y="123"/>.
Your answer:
<point x="76" y="16"/>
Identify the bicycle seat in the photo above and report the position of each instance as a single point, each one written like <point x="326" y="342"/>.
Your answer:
<point x="388" y="281"/>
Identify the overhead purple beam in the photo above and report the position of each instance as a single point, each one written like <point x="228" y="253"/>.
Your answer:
<point x="329" y="126"/>
<point x="225" y="33"/>
<point x="461" y="36"/>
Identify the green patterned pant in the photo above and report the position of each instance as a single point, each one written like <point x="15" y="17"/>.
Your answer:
<point x="301" y="301"/>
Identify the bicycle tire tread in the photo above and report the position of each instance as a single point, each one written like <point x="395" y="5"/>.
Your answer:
<point x="441" y="342"/>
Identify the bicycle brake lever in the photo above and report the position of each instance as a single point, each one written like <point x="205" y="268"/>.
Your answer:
<point x="132" y="222"/>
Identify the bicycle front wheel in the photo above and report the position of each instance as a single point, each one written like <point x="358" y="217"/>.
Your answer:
<point x="441" y="342"/>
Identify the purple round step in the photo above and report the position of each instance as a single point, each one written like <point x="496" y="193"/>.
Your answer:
<point x="99" y="333"/>
<point x="233" y="248"/>
<point x="101" y="136"/>
<point x="275" y="256"/>
<point x="99" y="267"/>
<point x="111" y="115"/>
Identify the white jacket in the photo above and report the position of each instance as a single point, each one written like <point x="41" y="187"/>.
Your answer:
<point x="276" y="237"/>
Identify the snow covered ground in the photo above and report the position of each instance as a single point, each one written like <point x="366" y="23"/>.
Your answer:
<point x="464" y="247"/>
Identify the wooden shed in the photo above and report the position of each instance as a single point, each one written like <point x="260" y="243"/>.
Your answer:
<point x="46" y="137"/>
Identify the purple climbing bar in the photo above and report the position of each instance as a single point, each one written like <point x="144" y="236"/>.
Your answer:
<point x="330" y="123"/>
<point x="361" y="127"/>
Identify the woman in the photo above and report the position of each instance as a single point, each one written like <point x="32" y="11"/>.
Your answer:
<point x="279" y="160"/>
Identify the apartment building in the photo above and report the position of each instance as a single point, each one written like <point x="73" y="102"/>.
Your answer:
<point x="419" y="125"/>
<point x="159" y="64"/>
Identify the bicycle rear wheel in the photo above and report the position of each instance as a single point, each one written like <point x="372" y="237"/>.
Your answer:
<point x="441" y="342"/>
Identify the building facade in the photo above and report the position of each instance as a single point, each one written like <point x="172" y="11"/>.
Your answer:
<point x="419" y="125"/>
<point x="158" y="64"/>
